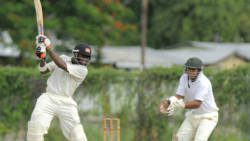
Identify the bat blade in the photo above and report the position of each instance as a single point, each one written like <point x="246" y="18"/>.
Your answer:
<point x="39" y="16"/>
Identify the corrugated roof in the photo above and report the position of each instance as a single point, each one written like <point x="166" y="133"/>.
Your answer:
<point x="9" y="51"/>
<point x="7" y="48"/>
<point x="209" y="53"/>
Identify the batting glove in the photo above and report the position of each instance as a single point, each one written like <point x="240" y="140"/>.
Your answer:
<point x="40" y="52"/>
<point x="41" y="39"/>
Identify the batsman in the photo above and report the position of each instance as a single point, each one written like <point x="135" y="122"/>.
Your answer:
<point x="195" y="94"/>
<point x="67" y="73"/>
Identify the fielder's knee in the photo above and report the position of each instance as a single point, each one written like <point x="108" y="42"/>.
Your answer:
<point x="78" y="134"/>
<point x="35" y="131"/>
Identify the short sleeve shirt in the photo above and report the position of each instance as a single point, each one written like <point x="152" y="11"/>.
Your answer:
<point x="201" y="89"/>
<point x="62" y="82"/>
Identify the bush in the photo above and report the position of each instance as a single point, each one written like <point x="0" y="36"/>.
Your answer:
<point x="132" y="96"/>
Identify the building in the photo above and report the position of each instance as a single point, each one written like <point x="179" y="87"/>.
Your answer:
<point x="8" y="50"/>
<point x="222" y="55"/>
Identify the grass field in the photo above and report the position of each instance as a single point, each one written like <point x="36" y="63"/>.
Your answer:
<point x="94" y="132"/>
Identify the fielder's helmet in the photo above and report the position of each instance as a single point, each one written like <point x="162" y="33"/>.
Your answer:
<point x="194" y="63"/>
<point x="84" y="50"/>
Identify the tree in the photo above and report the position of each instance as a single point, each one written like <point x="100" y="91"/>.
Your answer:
<point x="178" y="21"/>
<point x="92" y="21"/>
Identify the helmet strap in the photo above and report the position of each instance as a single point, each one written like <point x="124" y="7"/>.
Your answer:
<point x="77" y="61"/>
<point x="74" y="61"/>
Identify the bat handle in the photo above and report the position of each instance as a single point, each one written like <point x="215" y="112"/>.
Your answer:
<point x="41" y="30"/>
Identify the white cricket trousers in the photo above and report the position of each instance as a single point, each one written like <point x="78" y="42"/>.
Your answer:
<point x="47" y="107"/>
<point x="197" y="127"/>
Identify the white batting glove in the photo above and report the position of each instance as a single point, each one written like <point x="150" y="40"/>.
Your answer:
<point x="42" y="39"/>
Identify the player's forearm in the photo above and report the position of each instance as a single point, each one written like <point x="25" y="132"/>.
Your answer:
<point x="190" y="105"/>
<point x="193" y="104"/>
<point x="179" y="96"/>
<point x="57" y="59"/>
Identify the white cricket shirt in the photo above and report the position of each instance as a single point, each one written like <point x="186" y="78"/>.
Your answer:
<point x="201" y="90"/>
<point x="65" y="83"/>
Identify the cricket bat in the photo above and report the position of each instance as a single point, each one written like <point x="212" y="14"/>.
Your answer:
<point x="39" y="16"/>
<point x="39" y="19"/>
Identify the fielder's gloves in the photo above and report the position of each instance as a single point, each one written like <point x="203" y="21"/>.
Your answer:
<point x="174" y="103"/>
<point x="167" y="106"/>
<point x="170" y="110"/>
<point x="179" y="104"/>
<point x="163" y="106"/>
<point x="42" y="39"/>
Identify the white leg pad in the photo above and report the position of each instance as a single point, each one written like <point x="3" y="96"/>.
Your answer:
<point x="35" y="132"/>
<point x="78" y="134"/>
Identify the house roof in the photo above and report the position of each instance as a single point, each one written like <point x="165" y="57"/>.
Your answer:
<point x="209" y="53"/>
<point x="129" y="57"/>
<point x="239" y="49"/>
<point x="7" y="48"/>
<point x="9" y="51"/>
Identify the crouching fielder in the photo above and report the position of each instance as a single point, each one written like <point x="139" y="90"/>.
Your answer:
<point x="67" y="73"/>
<point x="202" y="112"/>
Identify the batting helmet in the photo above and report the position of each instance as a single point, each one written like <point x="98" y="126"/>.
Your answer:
<point x="81" y="52"/>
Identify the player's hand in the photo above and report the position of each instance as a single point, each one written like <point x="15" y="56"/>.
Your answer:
<point x="42" y="39"/>
<point x="40" y="51"/>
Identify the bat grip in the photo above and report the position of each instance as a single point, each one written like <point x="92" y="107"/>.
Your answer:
<point x="41" y="30"/>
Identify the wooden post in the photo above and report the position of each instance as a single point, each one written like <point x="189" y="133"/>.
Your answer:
<point x="144" y="19"/>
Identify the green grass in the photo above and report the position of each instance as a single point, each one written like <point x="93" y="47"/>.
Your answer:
<point x="94" y="132"/>
<point x="228" y="134"/>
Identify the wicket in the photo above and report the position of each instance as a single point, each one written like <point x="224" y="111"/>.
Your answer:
<point x="111" y="129"/>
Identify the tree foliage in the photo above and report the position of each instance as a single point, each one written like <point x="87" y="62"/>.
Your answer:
<point x="179" y="21"/>
<point x="93" y="21"/>
<point x="100" y="22"/>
